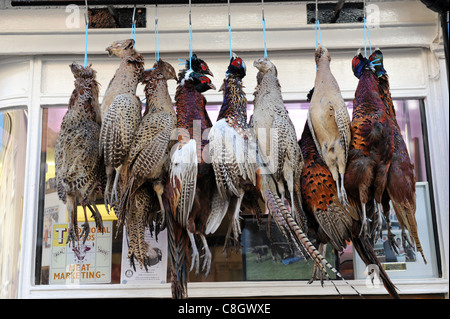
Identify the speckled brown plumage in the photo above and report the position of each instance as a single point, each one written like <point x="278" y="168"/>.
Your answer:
<point x="121" y="114"/>
<point x="148" y="160"/>
<point x="128" y="74"/>
<point x="280" y="147"/>
<point x="77" y="160"/>
<point x="136" y="222"/>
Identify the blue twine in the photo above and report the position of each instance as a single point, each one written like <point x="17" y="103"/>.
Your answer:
<point x="317" y="30"/>
<point x="133" y="32"/>
<point x="377" y="59"/>
<point x="366" y="30"/>
<point x="264" y="32"/>
<point x="229" y="38"/>
<point x="190" y="46"/>
<point x="85" y="46"/>
<point x="156" y="42"/>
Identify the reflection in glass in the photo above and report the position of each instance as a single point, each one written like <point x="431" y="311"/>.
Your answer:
<point x="243" y="264"/>
<point x="13" y="138"/>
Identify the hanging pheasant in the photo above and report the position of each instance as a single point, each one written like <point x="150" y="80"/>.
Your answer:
<point x="401" y="182"/>
<point x="229" y="151"/>
<point x="121" y="114"/>
<point x="188" y="191"/>
<point x="148" y="161"/>
<point x="275" y="133"/>
<point x="78" y="165"/>
<point x="329" y="121"/>
<point x="371" y="149"/>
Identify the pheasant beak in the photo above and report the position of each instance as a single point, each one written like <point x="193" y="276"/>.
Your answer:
<point x="210" y="73"/>
<point x="212" y="86"/>
<point x="109" y="49"/>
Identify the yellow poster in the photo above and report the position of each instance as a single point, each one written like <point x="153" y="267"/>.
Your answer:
<point x="88" y="262"/>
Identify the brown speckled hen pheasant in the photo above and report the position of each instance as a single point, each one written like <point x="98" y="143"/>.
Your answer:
<point x="190" y="184"/>
<point x="121" y="114"/>
<point x="228" y="145"/>
<point x="127" y="76"/>
<point x="401" y="182"/>
<point x="148" y="160"/>
<point x="77" y="160"/>
<point x="371" y="149"/>
<point x="329" y="121"/>
<point x="277" y="140"/>
<point x="136" y="223"/>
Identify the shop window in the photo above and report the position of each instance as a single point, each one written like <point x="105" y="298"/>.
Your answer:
<point x="257" y="258"/>
<point x="13" y="141"/>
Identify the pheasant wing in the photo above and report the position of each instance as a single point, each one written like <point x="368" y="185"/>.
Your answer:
<point x="118" y="128"/>
<point x="150" y="144"/>
<point x="183" y="180"/>
<point x="230" y="160"/>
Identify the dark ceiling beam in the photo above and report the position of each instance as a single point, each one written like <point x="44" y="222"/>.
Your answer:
<point x="122" y="2"/>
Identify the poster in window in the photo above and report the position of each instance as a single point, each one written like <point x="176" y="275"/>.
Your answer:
<point x="82" y="263"/>
<point x="157" y="254"/>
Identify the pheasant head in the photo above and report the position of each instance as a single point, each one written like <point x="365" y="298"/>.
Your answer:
<point x="236" y="67"/>
<point x="376" y="59"/>
<point x="198" y="65"/>
<point x="359" y="63"/>
<point x="80" y="72"/>
<point x="201" y="82"/>
<point x="264" y="66"/>
<point x="121" y="48"/>
<point x="322" y="54"/>
<point x="161" y="67"/>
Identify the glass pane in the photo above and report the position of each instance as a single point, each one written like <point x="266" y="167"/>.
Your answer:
<point x="256" y="259"/>
<point x="97" y="260"/>
<point x="13" y="141"/>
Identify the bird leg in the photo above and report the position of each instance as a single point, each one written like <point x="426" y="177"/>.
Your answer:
<point x="364" y="221"/>
<point x="195" y="255"/>
<point x="158" y="187"/>
<point x="97" y="216"/>
<point x="236" y="222"/>
<point x="378" y="224"/>
<point x="338" y="189"/>
<point x="317" y="271"/>
<point x="116" y="180"/>
<point x="343" y="194"/>
<point x="72" y="236"/>
<point x="207" y="257"/>
<point x="85" y="231"/>
<point x="109" y="173"/>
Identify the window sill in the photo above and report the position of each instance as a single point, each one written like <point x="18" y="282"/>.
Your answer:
<point x="239" y="289"/>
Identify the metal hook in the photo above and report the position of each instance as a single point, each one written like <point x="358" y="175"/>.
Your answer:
<point x="190" y="10"/>
<point x="229" y="19"/>
<point x="133" y="19"/>
<point x="317" y="11"/>
<point x="262" y="6"/>
<point x="86" y="15"/>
